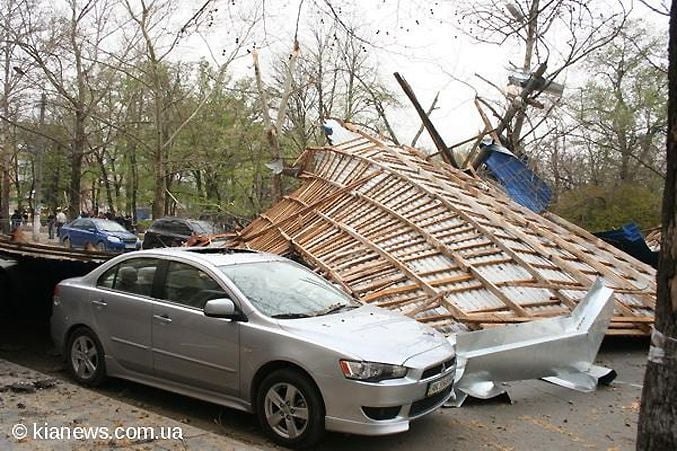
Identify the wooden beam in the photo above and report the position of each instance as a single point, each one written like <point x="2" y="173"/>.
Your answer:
<point x="447" y="153"/>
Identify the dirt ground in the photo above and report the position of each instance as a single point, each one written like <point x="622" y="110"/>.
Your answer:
<point x="542" y="415"/>
<point x="39" y="412"/>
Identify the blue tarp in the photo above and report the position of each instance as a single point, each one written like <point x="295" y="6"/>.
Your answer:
<point x="520" y="182"/>
<point x="630" y="240"/>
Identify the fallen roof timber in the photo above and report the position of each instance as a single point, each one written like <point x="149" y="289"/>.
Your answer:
<point x="25" y="249"/>
<point x="442" y="246"/>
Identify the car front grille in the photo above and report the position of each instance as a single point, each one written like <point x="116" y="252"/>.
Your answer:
<point x="426" y="404"/>
<point x="129" y="240"/>
<point x="439" y="368"/>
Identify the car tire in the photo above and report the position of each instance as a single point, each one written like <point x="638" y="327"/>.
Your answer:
<point x="290" y="409"/>
<point x="85" y="358"/>
<point x="101" y="246"/>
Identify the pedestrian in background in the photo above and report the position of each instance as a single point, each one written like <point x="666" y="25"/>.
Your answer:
<point x="61" y="219"/>
<point x="51" y="224"/>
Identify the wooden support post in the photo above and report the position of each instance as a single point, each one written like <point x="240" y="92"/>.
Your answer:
<point x="447" y="154"/>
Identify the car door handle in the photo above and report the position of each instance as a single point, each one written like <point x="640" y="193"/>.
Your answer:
<point x="100" y="304"/>
<point x="164" y="318"/>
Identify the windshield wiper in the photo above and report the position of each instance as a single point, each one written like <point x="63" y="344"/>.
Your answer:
<point x="335" y="308"/>
<point x="290" y="315"/>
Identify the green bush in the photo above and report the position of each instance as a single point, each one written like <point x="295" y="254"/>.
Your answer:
<point x="598" y="208"/>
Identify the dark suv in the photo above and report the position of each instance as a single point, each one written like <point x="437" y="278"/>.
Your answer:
<point x="172" y="232"/>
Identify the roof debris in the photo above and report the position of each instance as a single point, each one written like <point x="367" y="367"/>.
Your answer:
<point x="439" y="245"/>
<point x="27" y="249"/>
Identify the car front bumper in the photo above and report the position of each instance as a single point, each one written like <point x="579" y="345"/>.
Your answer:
<point x="123" y="246"/>
<point x="405" y="399"/>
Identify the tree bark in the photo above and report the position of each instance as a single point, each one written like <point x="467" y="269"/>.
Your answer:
<point x="77" y="154"/>
<point x="6" y="141"/>
<point x="657" y="428"/>
<point x="6" y="181"/>
<point x="532" y="36"/>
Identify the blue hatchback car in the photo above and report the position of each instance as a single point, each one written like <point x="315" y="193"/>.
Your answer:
<point x="105" y="235"/>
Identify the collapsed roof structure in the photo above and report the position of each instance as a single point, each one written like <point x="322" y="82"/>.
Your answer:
<point x="446" y="248"/>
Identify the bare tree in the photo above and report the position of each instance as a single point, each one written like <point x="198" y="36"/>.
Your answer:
<point x="336" y="78"/>
<point x="273" y="128"/>
<point x="554" y="35"/>
<point x="68" y="52"/>
<point x="158" y="42"/>
<point x="14" y="71"/>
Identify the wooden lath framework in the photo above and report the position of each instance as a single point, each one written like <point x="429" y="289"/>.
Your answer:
<point x="439" y="245"/>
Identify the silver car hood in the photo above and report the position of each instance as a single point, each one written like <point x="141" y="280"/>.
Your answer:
<point x="368" y="333"/>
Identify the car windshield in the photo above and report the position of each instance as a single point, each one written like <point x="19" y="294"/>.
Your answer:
<point x="283" y="289"/>
<point x="202" y="227"/>
<point x="110" y="226"/>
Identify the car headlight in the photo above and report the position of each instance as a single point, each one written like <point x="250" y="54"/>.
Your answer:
<point x="114" y="239"/>
<point x="371" y="371"/>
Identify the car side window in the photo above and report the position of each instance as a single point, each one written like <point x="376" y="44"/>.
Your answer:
<point x="190" y="286"/>
<point x="107" y="279"/>
<point x="88" y="225"/>
<point x="131" y="276"/>
<point x="160" y="226"/>
<point x="78" y="224"/>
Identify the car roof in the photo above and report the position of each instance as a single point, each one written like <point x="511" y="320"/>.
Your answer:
<point x="212" y="255"/>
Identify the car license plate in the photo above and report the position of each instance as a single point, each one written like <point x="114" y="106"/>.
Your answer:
<point x="439" y="385"/>
<point x="130" y="246"/>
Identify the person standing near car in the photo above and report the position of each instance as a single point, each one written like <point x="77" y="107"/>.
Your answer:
<point x="61" y="219"/>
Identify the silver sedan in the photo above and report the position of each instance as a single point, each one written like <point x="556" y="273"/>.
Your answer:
<point x="255" y="332"/>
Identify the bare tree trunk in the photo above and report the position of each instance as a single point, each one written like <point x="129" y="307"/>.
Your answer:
<point x="159" y="169"/>
<point x="77" y="154"/>
<point x="7" y="143"/>
<point x="658" y="413"/>
<point x="272" y="129"/>
<point x="6" y="181"/>
<point x="532" y="35"/>
<point x="106" y="181"/>
<point x="134" y="187"/>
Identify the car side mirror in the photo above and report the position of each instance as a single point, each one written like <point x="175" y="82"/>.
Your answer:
<point x="222" y="308"/>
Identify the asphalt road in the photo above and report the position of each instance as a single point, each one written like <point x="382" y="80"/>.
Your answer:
<point x="542" y="416"/>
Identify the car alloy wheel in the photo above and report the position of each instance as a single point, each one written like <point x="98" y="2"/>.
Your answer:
<point x="290" y="409"/>
<point x="67" y="243"/>
<point x="101" y="247"/>
<point x="85" y="358"/>
<point x="286" y="410"/>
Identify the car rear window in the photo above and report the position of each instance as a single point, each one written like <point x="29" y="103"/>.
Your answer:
<point x="131" y="276"/>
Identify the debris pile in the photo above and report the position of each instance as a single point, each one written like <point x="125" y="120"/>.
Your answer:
<point x="439" y="245"/>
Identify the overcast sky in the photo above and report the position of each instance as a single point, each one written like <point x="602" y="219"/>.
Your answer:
<point x="419" y="39"/>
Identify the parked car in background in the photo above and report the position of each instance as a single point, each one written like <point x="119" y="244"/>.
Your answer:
<point x="104" y="234"/>
<point x="254" y="332"/>
<point x="173" y="232"/>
